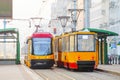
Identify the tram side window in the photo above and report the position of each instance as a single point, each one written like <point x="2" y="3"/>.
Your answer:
<point x="75" y="42"/>
<point x="86" y="43"/>
<point x="63" y="44"/>
<point x="72" y="43"/>
<point x="67" y="44"/>
<point x="60" y="45"/>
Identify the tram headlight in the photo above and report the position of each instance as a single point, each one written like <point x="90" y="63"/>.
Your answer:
<point x="93" y="57"/>
<point x="78" y="57"/>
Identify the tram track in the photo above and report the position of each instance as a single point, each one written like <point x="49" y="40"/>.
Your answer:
<point x="41" y="75"/>
<point x="93" y="77"/>
<point x="96" y="75"/>
<point x="64" y="74"/>
<point x="51" y="74"/>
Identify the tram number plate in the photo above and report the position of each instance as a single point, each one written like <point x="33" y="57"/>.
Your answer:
<point x="41" y="63"/>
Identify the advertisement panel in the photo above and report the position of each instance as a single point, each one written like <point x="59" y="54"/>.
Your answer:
<point x="5" y="9"/>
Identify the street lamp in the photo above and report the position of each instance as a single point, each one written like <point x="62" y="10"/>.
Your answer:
<point x="74" y="16"/>
<point x="63" y="20"/>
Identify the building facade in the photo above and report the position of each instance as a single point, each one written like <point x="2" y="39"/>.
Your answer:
<point x="104" y="14"/>
<point x="62" y="8"/>
<point x="58" y="8"/>
<point x="99" y="14"/>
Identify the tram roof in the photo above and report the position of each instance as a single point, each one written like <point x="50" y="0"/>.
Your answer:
<point x="42" y="35"/>
<point x="101" y="32"/>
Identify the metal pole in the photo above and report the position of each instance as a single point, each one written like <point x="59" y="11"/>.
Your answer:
<point x="87" y="13"/>
<point x="101" y="50"/>
<point x="74" y="22"/>
<point x="63" y="20"/>
<point x="18" y="49"/>
<point x="105" y="52"/>
<point x="63" y="29"/>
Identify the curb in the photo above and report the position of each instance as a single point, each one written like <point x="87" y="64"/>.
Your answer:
<point x="107" y="71"/>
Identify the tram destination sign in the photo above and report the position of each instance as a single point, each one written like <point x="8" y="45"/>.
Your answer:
<point x="5" y="9"/>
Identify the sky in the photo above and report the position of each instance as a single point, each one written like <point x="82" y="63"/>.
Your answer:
<point x="31" y="8"/>
<point x="26" y="9"/>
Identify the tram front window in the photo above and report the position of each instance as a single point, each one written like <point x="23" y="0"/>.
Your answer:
<point x="41" y="46"/>
<point x="86" y="43"/>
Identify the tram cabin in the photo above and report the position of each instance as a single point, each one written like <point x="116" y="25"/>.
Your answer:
<point x="76" y="50"/>
<point x="39" y="51"/>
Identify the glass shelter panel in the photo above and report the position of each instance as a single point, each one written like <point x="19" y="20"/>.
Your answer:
<point x="7" y="50"/>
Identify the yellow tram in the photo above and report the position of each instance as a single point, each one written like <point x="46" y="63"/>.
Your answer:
<point x="39" y="51"/>
<point x="76" y="50"/>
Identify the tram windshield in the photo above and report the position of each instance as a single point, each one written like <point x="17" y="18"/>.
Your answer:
<point x="86" y="43"/>
<point x="41" y="46"/>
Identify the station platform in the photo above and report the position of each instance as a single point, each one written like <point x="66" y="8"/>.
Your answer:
<point x="113" y="69"/>
<point x="21" y="72"/>
<point x="17" y="72"/>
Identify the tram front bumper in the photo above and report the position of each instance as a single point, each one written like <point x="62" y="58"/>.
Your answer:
<point x="86" y="64"/>
<point x="42" y="63"/>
